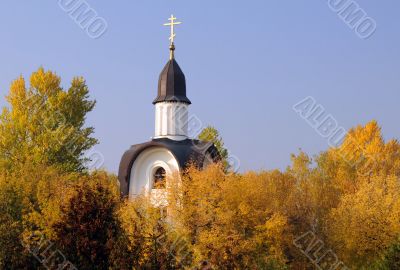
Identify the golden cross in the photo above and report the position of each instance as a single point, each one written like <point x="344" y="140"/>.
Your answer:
<point x="172" y="24"/>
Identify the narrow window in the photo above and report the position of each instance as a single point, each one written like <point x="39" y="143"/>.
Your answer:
<point x="159" y="178"/>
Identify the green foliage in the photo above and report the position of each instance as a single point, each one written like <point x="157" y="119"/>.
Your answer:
<point x="211" y="134"/>
<point x="392" y="257"/>
<point x="45" y="124"/>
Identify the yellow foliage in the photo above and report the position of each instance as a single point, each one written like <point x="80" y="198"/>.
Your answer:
<point x="44" y="124"/>
<point x="348" y="199"/>
<point x="232" y="221"/>
<point x="366" y="224"/>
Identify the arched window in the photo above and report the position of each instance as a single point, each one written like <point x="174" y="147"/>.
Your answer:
<point x="159" y="178"/>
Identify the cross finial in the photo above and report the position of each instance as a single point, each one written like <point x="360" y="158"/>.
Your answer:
<point x="172" y="24"/>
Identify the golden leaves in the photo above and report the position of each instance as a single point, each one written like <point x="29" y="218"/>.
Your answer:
<point x="45" y="124"/>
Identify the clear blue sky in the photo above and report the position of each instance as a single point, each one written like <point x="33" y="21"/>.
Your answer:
<point x="246" y="64"/>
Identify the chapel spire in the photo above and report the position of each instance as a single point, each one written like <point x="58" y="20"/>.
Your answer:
<point x="172" y="82"/>
<point x="145" y="168"/>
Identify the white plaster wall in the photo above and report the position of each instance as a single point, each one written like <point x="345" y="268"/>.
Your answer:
<point x="171" y="120"/>
<point x="143" y="168"/>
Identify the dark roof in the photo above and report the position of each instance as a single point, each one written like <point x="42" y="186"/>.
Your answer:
<point x="185" y="152"/>
<point x="172" y="84"/>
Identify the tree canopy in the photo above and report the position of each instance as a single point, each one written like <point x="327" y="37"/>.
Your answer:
<point x="211" y="134"/>
<point x="46" y="124"/>
<point x="337" y="210"/>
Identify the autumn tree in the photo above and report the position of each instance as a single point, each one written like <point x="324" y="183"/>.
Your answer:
<point x="348" y="197"/>
<point x="45" y="124"/>
<point x="88" y="229"/>
<point x="231" y="221"/>
<point x="366" y="224"/>
<point x="362" y="155"/>
<point x="42" y="137"/>
<point x="30" y="197"/>
<point x="12" y="207"/>
<point x="153" y="242"/>
<point x="363" y="176"/>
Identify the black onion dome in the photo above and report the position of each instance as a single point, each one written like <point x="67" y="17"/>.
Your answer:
<point x="172" y="84"/>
